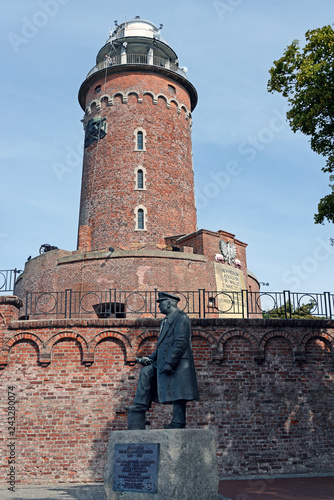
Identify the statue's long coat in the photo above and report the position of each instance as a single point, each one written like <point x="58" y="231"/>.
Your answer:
<point x="174" y="347"/>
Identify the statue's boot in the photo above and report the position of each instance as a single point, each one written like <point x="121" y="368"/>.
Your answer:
<point x="136" y="418"/>
<point x="179" y="415"/>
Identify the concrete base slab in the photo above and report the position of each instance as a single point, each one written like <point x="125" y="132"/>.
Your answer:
<point x="187" y="465"/>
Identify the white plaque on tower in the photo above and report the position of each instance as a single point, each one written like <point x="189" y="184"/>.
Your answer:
<point x="230" y="298"/>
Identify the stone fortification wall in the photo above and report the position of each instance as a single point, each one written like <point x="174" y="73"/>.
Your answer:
<point x="266" y="390"/>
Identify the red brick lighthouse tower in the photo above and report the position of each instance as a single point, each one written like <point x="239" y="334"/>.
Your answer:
<point x="137" y="223"/>
<point x="137" y="183"/>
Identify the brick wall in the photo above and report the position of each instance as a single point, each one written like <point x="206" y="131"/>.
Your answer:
<point x="266" y="389"/>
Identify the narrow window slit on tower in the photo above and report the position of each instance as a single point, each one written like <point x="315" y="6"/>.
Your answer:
<point x="140" y="179"/>
<point x="140" y="218"/>
<point x="140" y="140"/>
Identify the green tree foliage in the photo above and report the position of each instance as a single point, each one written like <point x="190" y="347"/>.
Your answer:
<point x="326" y="206"/>
<point x="302" y="312"/>
<point x="306" y="77"/>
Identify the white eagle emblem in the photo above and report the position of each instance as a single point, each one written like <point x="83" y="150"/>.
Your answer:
<point x="228" y="251"/>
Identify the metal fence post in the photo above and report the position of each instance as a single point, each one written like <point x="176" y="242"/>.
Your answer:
<point x="204" y="303"/>
<point x="65" y="313"/>
<point x="110" y="290"/>
<point x="16" y="272"/>
<point x="26" y="313"/>
<point x="155" y="302"/>
<point x="328" y="308"/>
<point x="243" y="294"/>
<point x="287" y="312"/>
<point x="115" y="301"/>
<point x="70" y="311"/>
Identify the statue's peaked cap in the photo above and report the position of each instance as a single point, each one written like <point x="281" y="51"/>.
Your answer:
<point x="167" y="296"/>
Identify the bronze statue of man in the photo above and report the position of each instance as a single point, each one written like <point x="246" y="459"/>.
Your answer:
<point x="168" y="374"/>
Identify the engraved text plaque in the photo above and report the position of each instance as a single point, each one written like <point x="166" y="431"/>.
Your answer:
<point x="136" y="467"/>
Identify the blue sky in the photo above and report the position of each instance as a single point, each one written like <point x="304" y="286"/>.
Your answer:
<point x="253" y="176"/>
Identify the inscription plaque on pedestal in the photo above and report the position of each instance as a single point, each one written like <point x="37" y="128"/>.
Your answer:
<point x="136" y="467"/>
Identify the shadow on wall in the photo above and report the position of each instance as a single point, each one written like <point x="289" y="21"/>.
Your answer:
<point x="271" y="417"/>
<point x="65" y="411"/>
<point x="63" y="408"/>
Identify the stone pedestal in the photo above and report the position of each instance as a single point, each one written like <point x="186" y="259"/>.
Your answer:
<point x="187" y="464"/>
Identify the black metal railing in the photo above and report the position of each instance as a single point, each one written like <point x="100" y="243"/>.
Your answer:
<point x="117" y="60"/>
<point x="200" y="304"/>
<point x="8" y="279"/>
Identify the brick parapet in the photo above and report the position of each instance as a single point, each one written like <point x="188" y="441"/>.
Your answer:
<point x="313" y="324"/>
<point x="9" y="308"/>
<point x="86" y="92"/>
<point x="128" y="254"/>
<point x="257" y="331"/>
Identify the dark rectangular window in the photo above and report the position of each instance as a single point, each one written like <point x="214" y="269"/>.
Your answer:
<point x="140" y="179"/>
<point x="140" y="218"/>
<point x="140" y="140"/>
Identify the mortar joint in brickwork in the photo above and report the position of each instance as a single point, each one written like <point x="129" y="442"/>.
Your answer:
<point x="299" y="356"/>
<point x="217" y="357"/>
<point x="259" y="356"/>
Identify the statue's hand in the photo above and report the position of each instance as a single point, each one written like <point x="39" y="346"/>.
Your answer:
<point x="167" y="369"/>
<point x="144" y="361"/>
